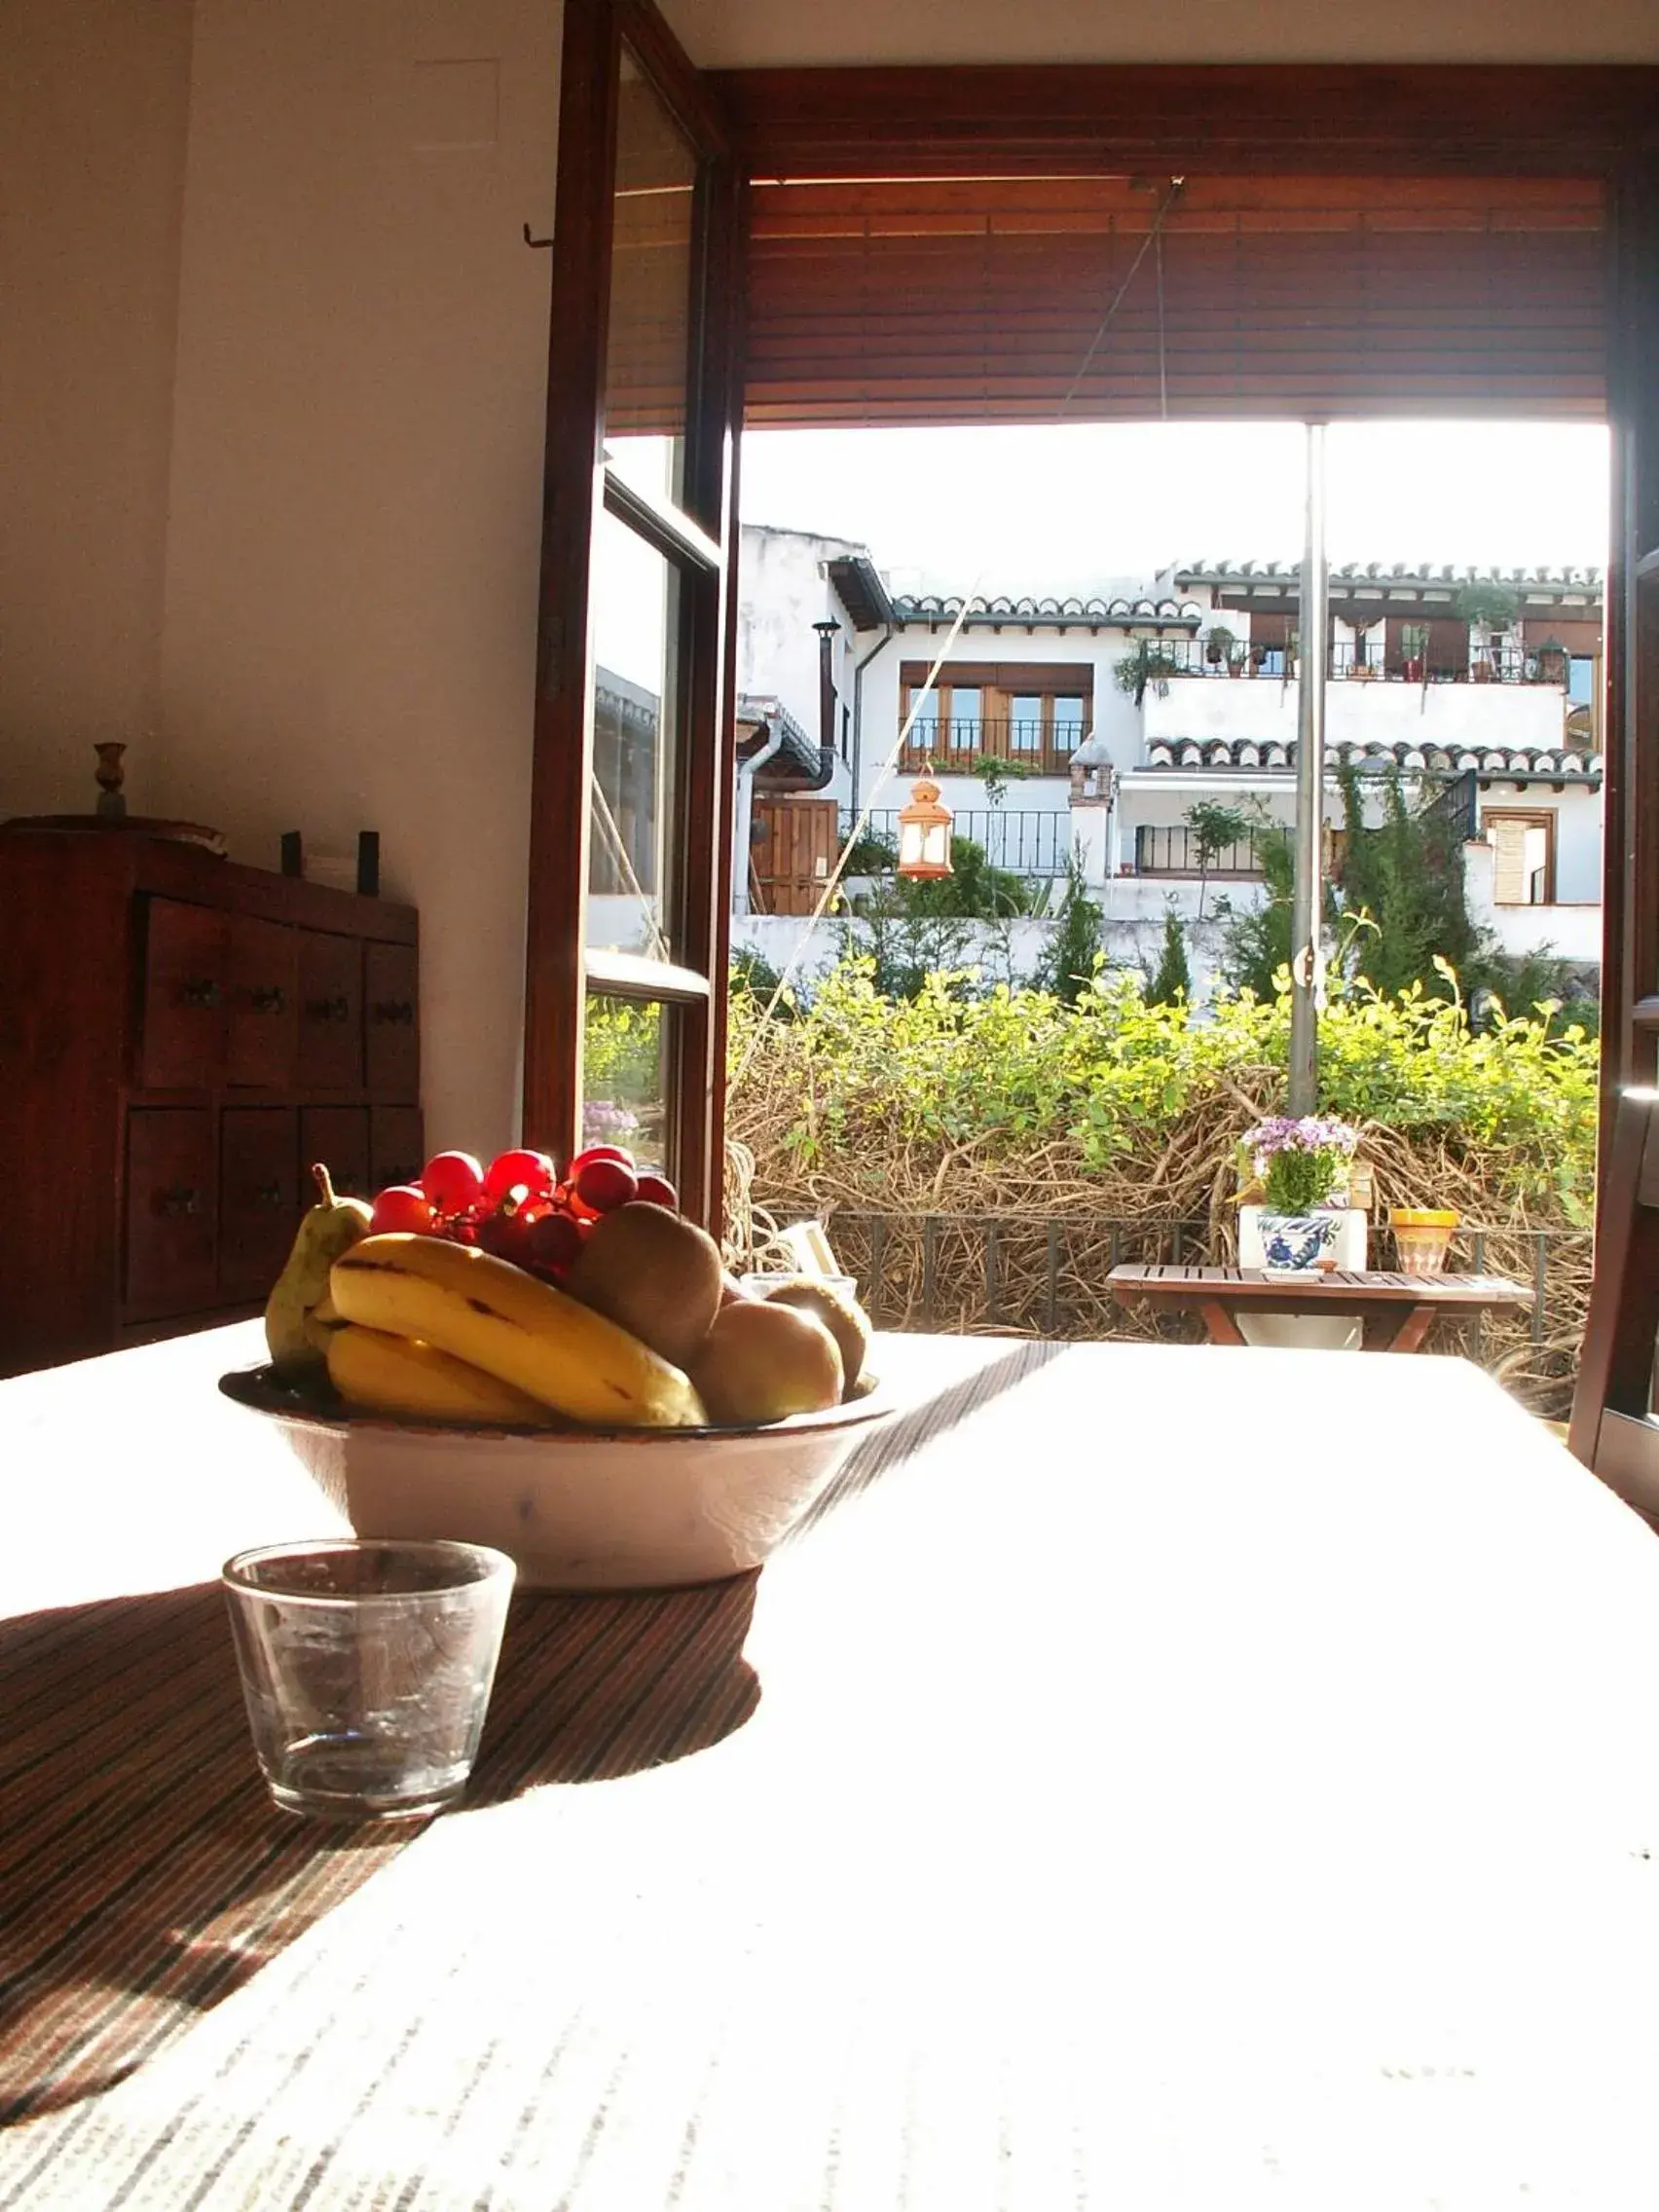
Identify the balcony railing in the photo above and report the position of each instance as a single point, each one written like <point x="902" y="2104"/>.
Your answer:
<point x="1025" y="842"/>
<point x="1504" y="664"/>
<point x="956" y="745"/>
<point x="1174" y="851"/>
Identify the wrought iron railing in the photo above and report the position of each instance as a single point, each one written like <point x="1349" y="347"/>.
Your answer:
<point x="1371" y="663"/>
<point x="1026" y="841"/>
<point x="955" y="745"/>
<point x="1174" y="851"/>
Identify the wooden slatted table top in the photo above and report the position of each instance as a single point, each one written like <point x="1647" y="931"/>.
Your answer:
<point x="1348" y="1284"/>
<point x="1159" y="1777"/>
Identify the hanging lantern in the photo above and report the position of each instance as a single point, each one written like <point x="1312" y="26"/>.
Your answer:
<point x="924" y="833"/>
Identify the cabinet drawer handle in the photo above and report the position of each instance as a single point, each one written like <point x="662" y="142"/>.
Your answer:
<point x="394" y="1010"/>
<point x="337" y="1008"/>
<point x="181" y="1198"/>
<point x="268" y="998"/>
<point x="202" y="990"/>
<point x="267" y="1195"/>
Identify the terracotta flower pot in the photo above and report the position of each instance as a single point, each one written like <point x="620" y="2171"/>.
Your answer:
<point x="1422" y="1236"/>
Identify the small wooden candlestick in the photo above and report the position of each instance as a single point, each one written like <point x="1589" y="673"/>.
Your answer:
<point x="111" y="775"/>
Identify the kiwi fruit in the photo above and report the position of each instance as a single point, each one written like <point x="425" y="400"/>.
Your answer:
<point x="843" y="1316"/>
<point x="654" y="1274"/>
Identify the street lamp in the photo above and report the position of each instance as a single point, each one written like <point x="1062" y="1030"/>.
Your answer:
<point x="924" y="833"/>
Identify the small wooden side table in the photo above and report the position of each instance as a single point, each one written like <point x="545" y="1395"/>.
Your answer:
<point x="1394" y="1309"/>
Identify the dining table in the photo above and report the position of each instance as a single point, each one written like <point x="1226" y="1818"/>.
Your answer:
<point x="1148" y="1776"/>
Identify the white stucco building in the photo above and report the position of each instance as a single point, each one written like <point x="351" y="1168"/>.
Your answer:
<point x="1041" y="749"/>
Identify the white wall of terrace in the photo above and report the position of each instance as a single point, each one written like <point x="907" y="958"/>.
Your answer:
<point x="1265" y="709"/>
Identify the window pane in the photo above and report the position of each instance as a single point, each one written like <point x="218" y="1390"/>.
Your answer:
<point x="646" y="349"/>
<point x="1025" y="725"/>
<point x="963" y="717"/>
<point x="625" y="1076"/>
<point x="1068" y="717"/>
<point x="636" y="604"/>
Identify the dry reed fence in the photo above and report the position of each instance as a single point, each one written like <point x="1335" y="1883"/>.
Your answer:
<point x="974" y="1237"/>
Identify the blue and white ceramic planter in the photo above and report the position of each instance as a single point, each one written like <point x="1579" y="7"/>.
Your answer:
<point x="1292" y="1242"/>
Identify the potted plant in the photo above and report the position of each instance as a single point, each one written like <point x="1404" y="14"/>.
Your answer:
<point x="1304" y="1167"/>
<point x="1238" y="660"/>
<point x="996" y="776"/>
<point x="1364" y="668"/>
<point x="1414" y="644"/>
<point x="1148" y="667"/>
<point x="1485" y="606"/>
<point x="1219" y="645"/>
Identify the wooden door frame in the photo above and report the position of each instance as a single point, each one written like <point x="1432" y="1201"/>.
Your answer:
<point x="558" y="969"/>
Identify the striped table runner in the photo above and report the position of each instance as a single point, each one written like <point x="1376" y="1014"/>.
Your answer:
<point x="144" y="1874"/>
<point x="143" y="1869"/>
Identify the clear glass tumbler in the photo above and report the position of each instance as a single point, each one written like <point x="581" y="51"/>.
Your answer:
<point x="367" y="1668"/>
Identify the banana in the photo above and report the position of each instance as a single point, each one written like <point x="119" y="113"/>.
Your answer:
<point x="496" y="1316"/>
<point x="397" y="1375"/>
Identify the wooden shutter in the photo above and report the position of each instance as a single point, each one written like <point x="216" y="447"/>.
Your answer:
<point x="977" y="300"/>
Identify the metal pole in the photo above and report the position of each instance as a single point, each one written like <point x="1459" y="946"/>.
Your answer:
<point x="1307" y="960"/>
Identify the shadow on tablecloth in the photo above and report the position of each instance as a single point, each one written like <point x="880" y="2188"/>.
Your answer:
<point x="144" y="1871"/>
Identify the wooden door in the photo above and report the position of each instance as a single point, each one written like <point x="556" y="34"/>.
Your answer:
<point x="395" y="1151"/>
<point x="337" y="1136"/>
<point x="1630" y="970"/>
<point x="263" y="1010"/>
<point x="331" y="1011"/>
<point x="260" y="1198"/>
<point x="391" y="1036"/>
<point x="186" y="954"/>
<point x="643" y="408"/>
<point x="794" y="853"/>
<point x="171" y="1206"/>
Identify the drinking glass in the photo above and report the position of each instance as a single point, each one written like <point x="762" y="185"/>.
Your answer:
<point x="367" y="1668"/>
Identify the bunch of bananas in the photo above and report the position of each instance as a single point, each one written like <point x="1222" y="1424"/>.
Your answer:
<point x="439" y="1331"/>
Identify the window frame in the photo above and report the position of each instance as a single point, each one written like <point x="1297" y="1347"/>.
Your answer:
<point x="697" y="538"/>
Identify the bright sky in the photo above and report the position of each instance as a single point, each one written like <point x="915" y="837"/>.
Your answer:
<point x="1050" y="510"/>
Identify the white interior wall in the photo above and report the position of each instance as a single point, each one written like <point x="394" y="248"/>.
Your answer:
<point x="349" y="617"/>
<point x="93" y="108"/>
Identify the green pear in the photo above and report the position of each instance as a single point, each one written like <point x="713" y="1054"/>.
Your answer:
<point x="297" y="1317"/>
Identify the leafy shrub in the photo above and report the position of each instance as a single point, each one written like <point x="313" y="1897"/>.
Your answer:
<point x="1073" y="956"/>
<point x="1172" y="977"/>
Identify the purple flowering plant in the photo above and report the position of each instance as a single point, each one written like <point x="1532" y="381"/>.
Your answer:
<point x="1302" y="1164"/>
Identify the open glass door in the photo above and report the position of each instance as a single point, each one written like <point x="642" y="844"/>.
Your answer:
<point x="624" y="989"/>
<point x="1629" y="978"/>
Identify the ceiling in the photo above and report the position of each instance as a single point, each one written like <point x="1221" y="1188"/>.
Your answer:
<point x="752" y="34"/>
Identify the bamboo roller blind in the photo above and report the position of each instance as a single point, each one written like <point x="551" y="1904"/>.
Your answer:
<point x="940" y="300"/>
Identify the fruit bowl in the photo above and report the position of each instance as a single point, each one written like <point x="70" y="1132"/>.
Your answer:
<point x="577" y="1508"/>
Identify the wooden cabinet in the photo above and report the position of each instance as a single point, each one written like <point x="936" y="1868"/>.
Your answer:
<point x="171" y="1209"/>
<point x="185" y="953"/>
<point x="331" y="1012"/>
<point x="179" y="1039"/>
<point x="263" y="1191"/>
<point x="339" y="1137"/>
<point x="390" y="1002"/>
<point x="263" y="1025"/>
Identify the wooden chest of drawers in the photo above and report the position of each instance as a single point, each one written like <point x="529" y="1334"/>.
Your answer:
<point x="179" y="1039"/>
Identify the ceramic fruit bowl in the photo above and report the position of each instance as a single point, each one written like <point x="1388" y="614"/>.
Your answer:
<point x="577" y="1508"/>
